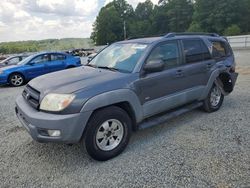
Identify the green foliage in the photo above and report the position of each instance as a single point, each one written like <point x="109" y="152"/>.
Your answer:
<point x="232" y="30"/>
<point x="217" y="15"/>
<point x="145" y="20"/>
<point x="108" y="26"/>
<point x="180" y="14"/>
<point x="228" y="17"/>
<point x="44" y="45"/>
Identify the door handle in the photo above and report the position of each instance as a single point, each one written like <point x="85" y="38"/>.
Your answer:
<point x="179" y="73"/>
<point x="209" y="65"/>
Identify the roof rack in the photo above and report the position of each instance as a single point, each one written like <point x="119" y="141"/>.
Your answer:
<point x="191" y="33"/>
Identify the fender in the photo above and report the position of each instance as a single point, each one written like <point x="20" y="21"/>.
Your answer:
<point x="113" y="97"/>
<point x="214" y="79"/>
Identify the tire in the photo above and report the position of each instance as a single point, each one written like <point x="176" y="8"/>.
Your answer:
<point x="16" y="80"/>
<point x="108" y="133"/>
<point x="214" y="100"/>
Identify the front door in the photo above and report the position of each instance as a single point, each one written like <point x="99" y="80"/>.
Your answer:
<point x="36" y="66"/>
<point x="161" y="91"/>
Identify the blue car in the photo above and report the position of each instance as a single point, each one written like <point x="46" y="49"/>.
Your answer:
<point x="37" y="65"/>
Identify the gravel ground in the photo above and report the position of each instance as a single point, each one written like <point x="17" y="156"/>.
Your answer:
<point x="194" y="150"/>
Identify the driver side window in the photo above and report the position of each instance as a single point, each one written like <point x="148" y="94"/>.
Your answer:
<point x="168" y="53"/>
<point x="41" y="59"/>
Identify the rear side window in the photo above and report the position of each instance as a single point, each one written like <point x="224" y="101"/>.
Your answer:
<point x="167" y="52"/>
<point x="195" y="51"/>
<point x="41" y="59"/>
<point x="56" y="57"/>
<point x="220" y="49"/>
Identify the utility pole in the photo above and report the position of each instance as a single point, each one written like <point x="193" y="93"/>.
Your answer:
<point x="123" y="15"/>
<point x="124" y="29"/>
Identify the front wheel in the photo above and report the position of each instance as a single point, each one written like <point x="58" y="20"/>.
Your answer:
<point x="214" y="100"/>
<point x="108" y="133"/>
<point x="16" y="80"/>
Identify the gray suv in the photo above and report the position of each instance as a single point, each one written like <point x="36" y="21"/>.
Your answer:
<point x="130" y="85"/>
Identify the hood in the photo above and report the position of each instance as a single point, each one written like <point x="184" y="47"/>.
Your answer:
<point x="72" y="80"/>
<point x="6" y="67"/>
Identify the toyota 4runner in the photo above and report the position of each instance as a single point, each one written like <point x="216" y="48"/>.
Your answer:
<point x="129" y="85"/>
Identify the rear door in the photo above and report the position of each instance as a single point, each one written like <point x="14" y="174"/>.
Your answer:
<point x="56" y="63"/>
<point x="197" y="63"/>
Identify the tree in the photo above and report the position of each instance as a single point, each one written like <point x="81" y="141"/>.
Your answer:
<point x="160" y="21"/>
<point x="142" y="24"/>
<point x="217" y="15"/>
<point x="108" y="26"/>
<point x="232" y="30"/>
<point x="180" y="14"/>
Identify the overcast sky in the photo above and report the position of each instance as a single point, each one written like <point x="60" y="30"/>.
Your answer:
<point x="43" y="19"/>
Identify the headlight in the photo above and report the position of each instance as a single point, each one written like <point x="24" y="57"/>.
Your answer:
<point x="1" y="71"/>
<point x="56" y="102"/>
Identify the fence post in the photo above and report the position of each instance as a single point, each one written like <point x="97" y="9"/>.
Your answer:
<point x="246" y="42"/>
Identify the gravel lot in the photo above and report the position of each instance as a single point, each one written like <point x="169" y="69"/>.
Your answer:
<point x="193" y="150"/>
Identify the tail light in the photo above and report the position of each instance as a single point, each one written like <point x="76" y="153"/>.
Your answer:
<point x="232" y="69"/>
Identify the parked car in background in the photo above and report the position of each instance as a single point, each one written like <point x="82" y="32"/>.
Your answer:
<point x="130" y="85"/>
<point x="37" y="65"/>
<point x="13" y="60"/>
<point x="91" y="56"/>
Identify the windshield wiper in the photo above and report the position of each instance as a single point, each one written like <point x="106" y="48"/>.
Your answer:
<point x="109" y="68"/>
<point x="94" y="66"/>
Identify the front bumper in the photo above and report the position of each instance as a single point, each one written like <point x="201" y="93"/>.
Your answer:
<point x="3" y="79"/>
<point x="36" y="123"/>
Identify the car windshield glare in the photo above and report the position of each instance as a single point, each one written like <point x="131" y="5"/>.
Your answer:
<point x="122" y="57"/>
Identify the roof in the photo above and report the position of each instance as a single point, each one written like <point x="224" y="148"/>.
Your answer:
<point x="142" y="40"/>
<point x="174" y="36"/>
<point x="41" y="53"/>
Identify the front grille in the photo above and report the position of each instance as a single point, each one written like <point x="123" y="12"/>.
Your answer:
<point x="32" y="96"/>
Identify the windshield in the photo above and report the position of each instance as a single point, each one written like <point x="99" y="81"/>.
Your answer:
<point x="121" y="57"/>
<point x="5" y="60"/>
<point x="26" y="60"/>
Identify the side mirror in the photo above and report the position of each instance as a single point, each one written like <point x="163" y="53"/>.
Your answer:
<point x="154" y="66"/>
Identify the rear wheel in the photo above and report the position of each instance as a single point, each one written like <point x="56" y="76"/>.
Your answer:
<point x="108" y="132"/>
<point x="214" y="100"/>
<point x="16" y="80"/>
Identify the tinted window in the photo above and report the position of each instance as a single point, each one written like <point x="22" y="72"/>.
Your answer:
<point x="168" y="53"/>
<point x="55" y="57"/>
<point x="41" y="59"/>
<point x="220" y="49"/>
<point x="195" y="51"/>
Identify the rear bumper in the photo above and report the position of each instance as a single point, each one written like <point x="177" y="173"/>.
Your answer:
<point x="37" y="123"/>
<point x="234" y="77"/>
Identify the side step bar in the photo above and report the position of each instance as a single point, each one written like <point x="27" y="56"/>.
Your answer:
<point x="160" y="119"/>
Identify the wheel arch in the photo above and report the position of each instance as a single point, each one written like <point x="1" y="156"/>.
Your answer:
<point x="16" y="72"/>
<point x="223" y="79"/>
<point x="123" y="98"/>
